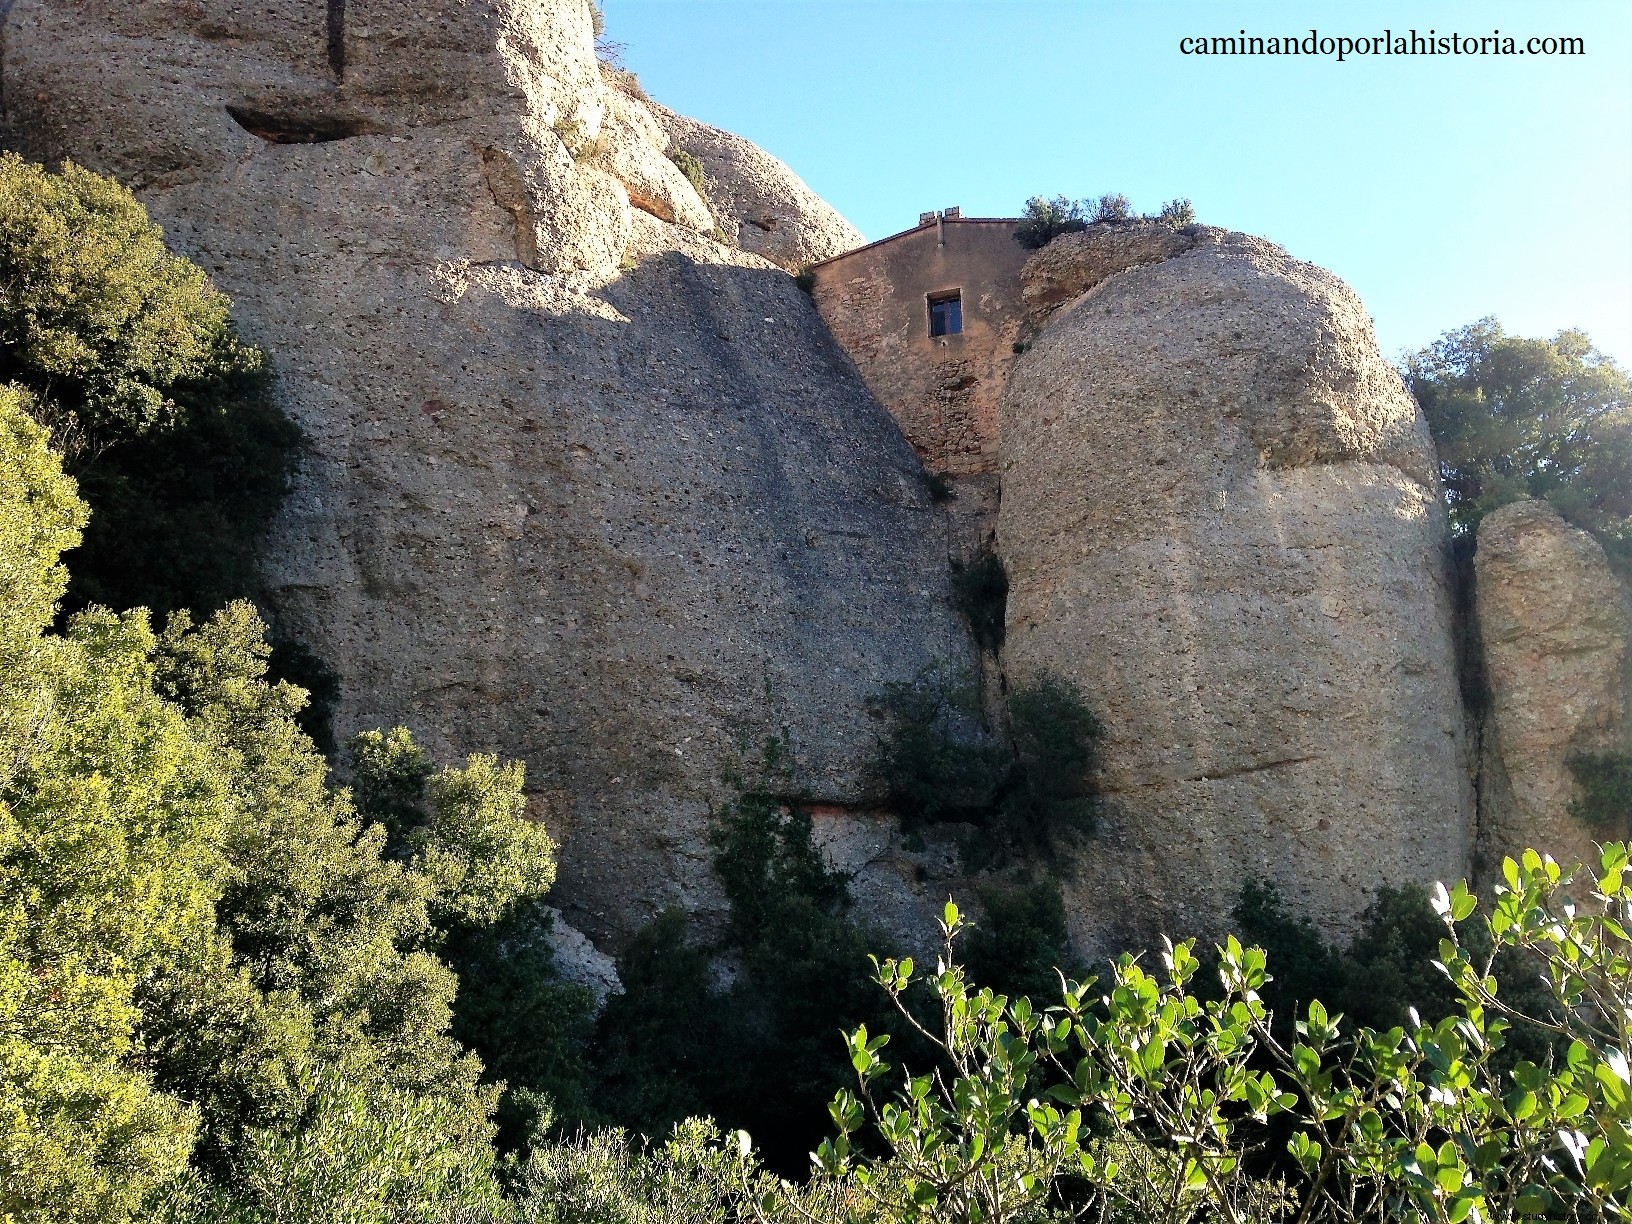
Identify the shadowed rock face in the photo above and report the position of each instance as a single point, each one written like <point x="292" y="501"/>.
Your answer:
<point x="1218" y="517"/>
<point x="584" y="487"/>
<point x="1554" y="622"/>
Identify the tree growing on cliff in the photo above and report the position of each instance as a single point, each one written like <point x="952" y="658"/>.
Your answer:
<point x="1044" y="220"/>
<point x="162" y="413"/>
<point x="1513" y="417"/>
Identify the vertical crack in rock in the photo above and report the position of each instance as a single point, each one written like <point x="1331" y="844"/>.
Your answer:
<point x="510" y="193"/>
<point x="337" y="38"/>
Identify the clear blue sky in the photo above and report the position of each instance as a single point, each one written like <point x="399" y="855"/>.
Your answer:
<point x="1441" y="188"/>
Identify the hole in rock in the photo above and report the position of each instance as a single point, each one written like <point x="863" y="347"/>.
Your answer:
<point x="295" y="129"/>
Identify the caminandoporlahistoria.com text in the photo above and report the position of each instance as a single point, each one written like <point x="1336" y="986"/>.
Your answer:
<point x="1343" y="47"/>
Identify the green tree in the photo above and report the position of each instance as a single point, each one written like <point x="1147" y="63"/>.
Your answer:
<point x="464" y="832"/>
<point x="107" y="811"/>
<point x="199" y="936"/>
<point x="1513" y="417"/>
<point x="1045" y="220"/>
<point x="678" y="1042"/>
<point x="163" y="413"/>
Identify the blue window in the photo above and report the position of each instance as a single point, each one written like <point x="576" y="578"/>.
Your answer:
<point x="946" y="313"/>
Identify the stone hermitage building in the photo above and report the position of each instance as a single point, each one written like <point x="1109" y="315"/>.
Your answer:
<point x="931" y="317"/>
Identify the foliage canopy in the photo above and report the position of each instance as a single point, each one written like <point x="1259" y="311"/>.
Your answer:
<point x="1513" y="418"/>
<point x="163" y="413"/>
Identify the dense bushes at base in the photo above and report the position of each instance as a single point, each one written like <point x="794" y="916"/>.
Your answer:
<point x="799" y="970"/>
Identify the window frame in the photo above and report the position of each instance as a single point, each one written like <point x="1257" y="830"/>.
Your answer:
<point x="942" y="299"/>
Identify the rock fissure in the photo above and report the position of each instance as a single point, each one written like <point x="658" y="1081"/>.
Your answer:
<point x="509" y="192"/>
<point x="1211" y="776"/>
<point x="295" y="128"/>
<point x="335" y="23"/>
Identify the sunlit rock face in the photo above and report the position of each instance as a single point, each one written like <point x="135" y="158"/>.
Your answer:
<point x="1554" y="622"/>
<point x="1219" y="518"/>
<point x="584" y="487"/>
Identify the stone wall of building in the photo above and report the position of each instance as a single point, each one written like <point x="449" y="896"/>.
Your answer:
<point x="942" y="390"/>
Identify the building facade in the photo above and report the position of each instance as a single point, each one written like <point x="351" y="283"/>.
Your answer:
<point x="930" y="316"/>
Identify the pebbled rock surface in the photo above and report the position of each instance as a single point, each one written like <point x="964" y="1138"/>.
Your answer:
<point x="1219" y="519"/>
<point x="634" y="150"/>
<point x="1555" y="623"/>
<point x="1072" y="264"/>
<point x="763" y="206"/>
<point x="584" y="487"/>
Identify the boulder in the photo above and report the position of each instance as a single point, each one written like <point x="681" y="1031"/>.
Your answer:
<point x="1072" y="264"/>
<point x="763" y="206"/>
<point x="1554" y="624"/>
<point x="1219" y="519"/>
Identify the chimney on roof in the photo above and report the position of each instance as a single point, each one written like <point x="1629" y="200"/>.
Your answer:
<point x="952" y="214"/>
<point x="928" y="218"/>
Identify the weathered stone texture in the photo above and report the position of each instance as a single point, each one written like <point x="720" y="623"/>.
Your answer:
<point x="1218" y="518"/>
<point x="1555" y="624"/>
<point x="1072" y="264"/>
<point x="763" y="206"/>
<point x="618" y="525"/>
<point x="634" y="150"/>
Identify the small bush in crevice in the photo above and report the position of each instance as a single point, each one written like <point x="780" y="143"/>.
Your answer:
<point x="689" y="165"/>
<point x="940" y="488"/>
<point x="1604" y="791"/>
<point x="936" y="760"/>
<point x="1055" y="736"/>
<point x="981" y="591"/>
<point x="805" y="278"/>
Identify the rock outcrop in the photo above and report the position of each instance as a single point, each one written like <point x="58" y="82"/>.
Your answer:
<point x="1072" y="264"/>
<point x="583" y="487"/>
<point x="1219" y="518"/>
<point x="634" y="150"/>
<point x="763" y="206"/>
<point x="1555" y="623"/>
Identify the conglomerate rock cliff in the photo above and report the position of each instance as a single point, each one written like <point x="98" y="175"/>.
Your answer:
<point x="1219" y="518"/>
<point x="585" y="487"/>
<point x="1555" y="624"/>
<point x="590" y="488"/>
